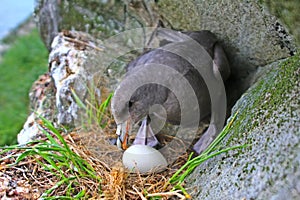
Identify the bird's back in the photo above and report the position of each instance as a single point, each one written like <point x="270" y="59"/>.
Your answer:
<point x="161" y="56"/>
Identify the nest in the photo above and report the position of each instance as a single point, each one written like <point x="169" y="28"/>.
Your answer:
<point x="28" y="178"/>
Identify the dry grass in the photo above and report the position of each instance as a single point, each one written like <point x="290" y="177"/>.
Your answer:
<point x="29" y="179"/>
<point x="87" y="166"/>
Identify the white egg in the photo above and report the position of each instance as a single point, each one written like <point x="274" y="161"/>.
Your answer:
<point x="144" y="159"/>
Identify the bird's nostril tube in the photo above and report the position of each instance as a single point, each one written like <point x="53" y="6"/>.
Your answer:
<point x="158" y="117"/>
<point x="130" y="103"/>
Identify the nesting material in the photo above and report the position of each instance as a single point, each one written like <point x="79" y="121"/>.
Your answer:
<point x="28" y="179"/>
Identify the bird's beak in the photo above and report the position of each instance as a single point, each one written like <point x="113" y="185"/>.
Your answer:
<point x="145" y="135"/>
<point x="123" y="132"/>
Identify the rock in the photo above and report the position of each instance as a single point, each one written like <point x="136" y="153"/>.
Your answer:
<point x="98" y="18"/>
<point x="70" y="74"/>
<point x="42" y="103"/>
<point x="30" y="130"/>
<point x="288" y="13"/>
<point x="42" y="96"/>
<point x="267" y="120"/>
<point x="48" y="19"/>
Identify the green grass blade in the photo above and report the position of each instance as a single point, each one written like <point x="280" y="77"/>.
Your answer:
<point x="50" y="138"/>
<point x="221" y="136"/>
<point x="210" y="152"/>
<point x="81" y="165"/>
<point x="58" y="184"/>
<point x="80" y="194"/>
<point x="78" y="100"/>
<point x="55" y="156"/>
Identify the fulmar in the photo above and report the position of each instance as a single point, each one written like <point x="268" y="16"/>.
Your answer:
<point x="162" y="82"/>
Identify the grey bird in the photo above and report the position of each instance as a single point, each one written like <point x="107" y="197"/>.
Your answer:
<point x="137" y="94"/>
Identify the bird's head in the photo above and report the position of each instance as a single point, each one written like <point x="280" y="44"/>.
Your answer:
<point x="127" y="108"/>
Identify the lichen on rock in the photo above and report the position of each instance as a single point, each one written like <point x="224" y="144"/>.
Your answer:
<point x="267" y="120"/>
<point x="70" y="73"/>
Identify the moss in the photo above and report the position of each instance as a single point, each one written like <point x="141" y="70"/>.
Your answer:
<point x="268" y="122"/>
<point x="266" y="96"/>
<point x="288" y="12"/>
<point x="97" y="18"/>
<point x="182" y="15"/>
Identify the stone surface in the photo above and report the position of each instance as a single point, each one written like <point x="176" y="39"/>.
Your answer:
<point x="98" y="18"/>
<point x="267" y="120"/>
<point x="72" y="74"/>
<point x="42" y="103"/>
<point x="74" y="71"/>
<point x="288" y="14"/>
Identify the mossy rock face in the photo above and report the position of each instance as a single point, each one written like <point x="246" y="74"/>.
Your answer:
<point x="288" y="13"/>
<point x="98" y="18"/>
<point x="267" y="120"/>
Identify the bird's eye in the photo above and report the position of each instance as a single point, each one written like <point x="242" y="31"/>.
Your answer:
<point x="130" y="103"/>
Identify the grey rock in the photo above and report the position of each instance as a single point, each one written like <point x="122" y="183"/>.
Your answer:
<point x="287" y="13"/>
<point x="74" y="75"/>
<point x="48" y="19"/>
<point x="98" y="18"/>
<point x="42" y="103"/>
<point x="267" y="120"/>
<point x="71" y="74"/>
